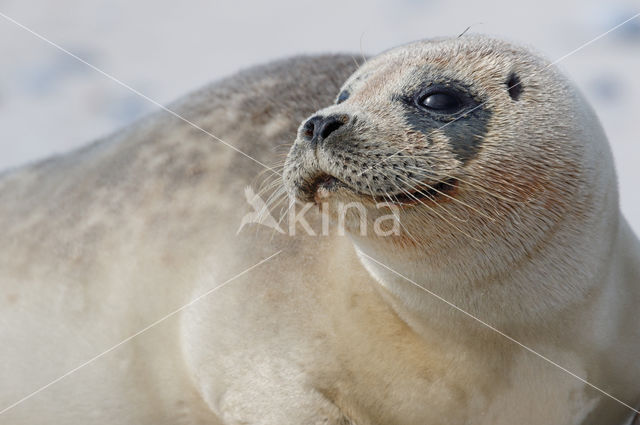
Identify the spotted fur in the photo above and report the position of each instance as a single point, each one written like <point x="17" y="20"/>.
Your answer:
<point x="101" y="242"/>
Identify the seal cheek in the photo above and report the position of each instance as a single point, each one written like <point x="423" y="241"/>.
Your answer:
<point x="465" y="132"/>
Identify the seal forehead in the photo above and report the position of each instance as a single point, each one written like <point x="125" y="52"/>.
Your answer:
<point x="401" y="76"/>
<point x="406" y="67"/>
<point x="467" y="57"/>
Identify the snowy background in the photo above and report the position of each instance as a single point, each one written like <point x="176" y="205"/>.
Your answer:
<point x="50" y="103"/>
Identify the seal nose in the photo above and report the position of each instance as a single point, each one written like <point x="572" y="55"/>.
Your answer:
<point x="318" y="128"/>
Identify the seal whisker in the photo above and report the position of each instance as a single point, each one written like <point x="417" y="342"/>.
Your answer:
<point x="284" y="210"/>
<point x="396" y="217"/>
<point x="395" y="174"/>
<point x="453" y="198"/>
<point x="428" y="196"/>
<point x="438" y="214"/>
<point x="474" y="185"/>
<point x="364" y="58"/>
<point x="274" y="189"/>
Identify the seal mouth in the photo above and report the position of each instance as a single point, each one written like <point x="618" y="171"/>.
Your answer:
<point x="324" y="184"/>
<point x="416" y="195"/>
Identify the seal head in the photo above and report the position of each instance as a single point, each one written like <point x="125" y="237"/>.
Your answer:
<point x="487" y="150"/>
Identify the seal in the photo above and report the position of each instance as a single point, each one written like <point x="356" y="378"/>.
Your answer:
<point x="504" y="186"/>
<point x="509" y="204"/>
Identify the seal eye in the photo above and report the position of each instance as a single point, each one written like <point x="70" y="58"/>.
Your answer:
<point x="344" y="95"/>
<point x="441" y="102"/>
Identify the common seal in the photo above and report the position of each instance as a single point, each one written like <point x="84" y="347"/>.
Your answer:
<point x="509" y="212"/>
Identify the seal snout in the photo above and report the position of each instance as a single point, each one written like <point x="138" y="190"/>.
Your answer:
<point x="319" y="128"/>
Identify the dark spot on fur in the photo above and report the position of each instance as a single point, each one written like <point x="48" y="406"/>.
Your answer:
<point x="464" y="130"/>
<point x="514" y="86"/>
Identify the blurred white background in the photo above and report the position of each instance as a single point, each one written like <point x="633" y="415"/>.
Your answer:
<point x="50" y="103"/>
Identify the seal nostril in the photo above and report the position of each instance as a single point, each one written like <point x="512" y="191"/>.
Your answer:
<point x="329" y="127"/>
<point x="318" y="128"/>
<point x="308" y="129"/>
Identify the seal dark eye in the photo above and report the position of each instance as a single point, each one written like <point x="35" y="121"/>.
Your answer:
<point x="344" y="95"/>
<point x="441" y="102"/>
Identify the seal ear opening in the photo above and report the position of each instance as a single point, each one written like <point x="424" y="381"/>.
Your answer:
<point x="514" y="86"/>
